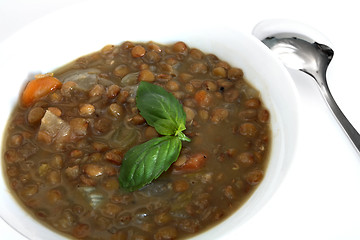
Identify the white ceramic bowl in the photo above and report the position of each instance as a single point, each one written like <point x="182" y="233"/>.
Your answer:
<point x="55" y="40"/>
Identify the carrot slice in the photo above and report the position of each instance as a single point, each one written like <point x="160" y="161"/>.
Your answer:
<point x="203" y="98"/>
<point x="38" y="88"/>
<point x="193" y="163"/>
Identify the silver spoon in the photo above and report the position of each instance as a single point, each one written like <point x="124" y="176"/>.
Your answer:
<point x="313" y="59"/>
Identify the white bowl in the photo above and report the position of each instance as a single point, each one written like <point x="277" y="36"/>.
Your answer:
<point x="55" y="40"/>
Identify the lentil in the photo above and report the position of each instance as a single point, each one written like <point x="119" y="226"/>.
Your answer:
<point x="121" y="71"/>
<point x="198" y="67"/>
<point x="35" y="115"/>
<point x="196" y="54"/>
<point x="113" y="91"/>
<point x="172" y="86"/>
<point x="138" y="51"/>
<point x="179" y="47"/>
<point x="146" y="75"/>
<point x="150" y="132"/>
<point x="116" y="110"/>
<point x="97" y="90"/>
<point x="56" y="111"/>
<point x="67" y="88"/>
<point x="219" y="72"/>
<point x="190" y="114"/>
<point x="86" y="109"/>
<point x="235" y="74"/>
<point x="252" y="103"/>
<point x="248" y="129"/>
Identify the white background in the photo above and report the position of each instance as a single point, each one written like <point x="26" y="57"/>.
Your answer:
<point x="320" y="197"/>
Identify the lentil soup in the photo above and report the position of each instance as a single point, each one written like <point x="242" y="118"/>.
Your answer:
<point x="68" y="135"/>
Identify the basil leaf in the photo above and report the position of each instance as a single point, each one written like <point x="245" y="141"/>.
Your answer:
<point x="145" y="162"/>
<point x="160" y="109"/>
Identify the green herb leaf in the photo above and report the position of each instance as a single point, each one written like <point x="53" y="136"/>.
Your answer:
<point x="160" y="109"/>
<point x="145" y="162"/>
<point x="183" y="137"/>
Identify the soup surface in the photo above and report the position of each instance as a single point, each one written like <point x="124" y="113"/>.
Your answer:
<point x="67" y="138"/>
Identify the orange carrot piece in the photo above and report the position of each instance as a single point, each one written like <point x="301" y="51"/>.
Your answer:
<point x="203" y="98"/>
<point x="194" y="162"/>
<point x="38" y="88"/>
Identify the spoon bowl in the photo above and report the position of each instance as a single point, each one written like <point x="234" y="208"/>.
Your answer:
<point x="301" y="55"/>
<point x="312" y="58"/>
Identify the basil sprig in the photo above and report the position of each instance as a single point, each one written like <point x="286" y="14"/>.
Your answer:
<point x="145" y="162"/>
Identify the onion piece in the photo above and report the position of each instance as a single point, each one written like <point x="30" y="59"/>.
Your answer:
<point x="130" y="79"/>
<point x="54" y="126"/>
<point x="93" y="197"/>
<point x="124" y="137"/>
<point x="85" y="79"/>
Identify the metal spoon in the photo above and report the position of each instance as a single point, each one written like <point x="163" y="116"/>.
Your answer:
<point x="313" y="59"/>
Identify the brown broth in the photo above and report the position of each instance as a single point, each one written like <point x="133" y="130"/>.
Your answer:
<point x="66" y="173"/>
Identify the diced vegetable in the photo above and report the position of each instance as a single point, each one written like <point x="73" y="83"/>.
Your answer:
<point x="93" y="197"/>
<point x="203" y="98"/>
<point x="130" y="79"/>
<point x="194" y="162"/>
<point x="124" y="137"/>
<point x="38" y="88"/>
<point x="54" y="126"/>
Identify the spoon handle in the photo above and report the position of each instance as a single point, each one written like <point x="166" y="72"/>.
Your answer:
<point x="350" y="131"/>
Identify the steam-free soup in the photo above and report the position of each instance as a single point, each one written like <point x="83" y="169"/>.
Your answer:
<point x="68" y="135"/>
